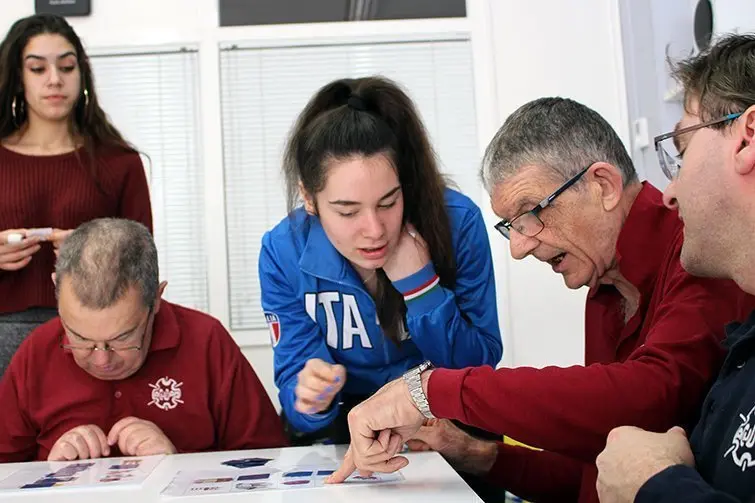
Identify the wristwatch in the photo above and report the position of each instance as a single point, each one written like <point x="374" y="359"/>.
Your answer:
<point x="413" y="381"/>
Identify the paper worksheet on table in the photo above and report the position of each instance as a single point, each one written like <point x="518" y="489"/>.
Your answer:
<point x="95" y="474"/>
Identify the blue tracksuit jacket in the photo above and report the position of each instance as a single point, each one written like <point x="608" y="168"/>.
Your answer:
<point x="317" y="307"/>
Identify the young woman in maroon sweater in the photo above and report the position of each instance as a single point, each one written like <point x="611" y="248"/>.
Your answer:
<point x="62" y="163"/>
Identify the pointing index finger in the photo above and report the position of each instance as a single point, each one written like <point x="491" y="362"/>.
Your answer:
<point x="344" y="471"/>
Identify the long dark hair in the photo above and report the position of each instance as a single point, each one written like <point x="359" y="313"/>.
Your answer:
<point x="87" y="121"/>
<point x="371" y="116"/>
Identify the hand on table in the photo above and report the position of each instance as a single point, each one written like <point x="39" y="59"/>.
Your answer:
<point x="632" y="456"/>
<point x="82" y="442"/>
<point x="379" y="426"/>
<point x="137" y="437"/>
<point x="134" y="437"/>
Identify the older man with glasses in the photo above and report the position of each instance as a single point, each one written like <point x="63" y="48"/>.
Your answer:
<point x="568" y="194"/>
<point x="122" y="371"/>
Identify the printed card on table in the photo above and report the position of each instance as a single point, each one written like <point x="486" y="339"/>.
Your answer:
<point x="258" y="479"/>
<point x="82" y="474"/>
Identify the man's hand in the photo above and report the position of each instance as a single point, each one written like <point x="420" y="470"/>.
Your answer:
<point x="463" y="451"/>
<point x="632" y="456"/>
<point x="137" y="437"/>
<point x="379" y="426"/>
<point x="439" y="435"/>
<point x="83" y="442"/>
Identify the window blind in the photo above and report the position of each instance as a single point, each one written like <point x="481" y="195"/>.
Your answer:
<point x="153" y="99"/>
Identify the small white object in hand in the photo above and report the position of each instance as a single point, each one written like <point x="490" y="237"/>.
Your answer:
<point x="41" y="232"/>
<point x="14" y="237"/>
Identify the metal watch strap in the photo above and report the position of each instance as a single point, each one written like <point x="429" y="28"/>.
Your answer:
<point x="413" y="379"/>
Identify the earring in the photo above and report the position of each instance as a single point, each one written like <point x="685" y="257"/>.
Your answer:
<point x="16" y="109"/>
<point x="86" y="97"/>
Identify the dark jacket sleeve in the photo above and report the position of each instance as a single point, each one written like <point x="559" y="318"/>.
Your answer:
<point x="681" y="483"/>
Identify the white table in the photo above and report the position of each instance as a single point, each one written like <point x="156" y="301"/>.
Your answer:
<point x="427" y="478"/>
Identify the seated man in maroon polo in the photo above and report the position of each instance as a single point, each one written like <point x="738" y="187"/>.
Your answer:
<point x="123" y="372"/>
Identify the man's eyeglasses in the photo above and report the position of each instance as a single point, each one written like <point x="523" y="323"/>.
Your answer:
<point x="529" y="223"/>
<point x="669" y="156"/>
<point x="86" y="348"/>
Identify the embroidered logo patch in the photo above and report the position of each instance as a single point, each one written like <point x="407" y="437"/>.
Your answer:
<point x="741" y="450"/>
<point x="166" y="393"/>
<point x="274" y="326"/>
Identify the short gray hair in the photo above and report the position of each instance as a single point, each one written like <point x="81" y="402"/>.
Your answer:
<point x="554" y="133"/>
<point x="104" y="258"/>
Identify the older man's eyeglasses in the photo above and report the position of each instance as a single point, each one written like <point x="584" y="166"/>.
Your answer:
<point x="115" y="345"/>
<point x="669" y="154"/>
<point x="529" y="223"/>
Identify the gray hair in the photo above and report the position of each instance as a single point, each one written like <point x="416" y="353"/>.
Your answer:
<point x="558" y="134"/>
<point x="104" y="258"/>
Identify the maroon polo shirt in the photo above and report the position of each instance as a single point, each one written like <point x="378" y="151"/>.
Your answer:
<point x="195" y="384"/>
<point x="652" y="371"/>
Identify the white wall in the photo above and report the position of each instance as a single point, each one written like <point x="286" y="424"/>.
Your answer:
<point x="554" y="48"/>
<point x="653" y="31"/>
<point x="650" y="30"/>
<point x="522" y="50"/>
<point x="733" y="16"/>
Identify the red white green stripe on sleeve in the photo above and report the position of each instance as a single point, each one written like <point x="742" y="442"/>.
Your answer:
<point x="423" y="289"/>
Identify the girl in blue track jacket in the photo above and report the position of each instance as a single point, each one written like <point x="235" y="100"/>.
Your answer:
<point x="382" y="267"/>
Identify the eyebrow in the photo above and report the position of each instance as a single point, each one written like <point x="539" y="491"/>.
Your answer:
<point x="127" y="332"/>
<point x="64" y="55"/>
<point x="526" y="203"/>
<point x="342" y="202"/>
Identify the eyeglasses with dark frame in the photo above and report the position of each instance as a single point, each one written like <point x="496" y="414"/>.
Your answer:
<point x="529" y="223"/>
<point x="108" y="346"/>
<point x="671" y="164"/>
